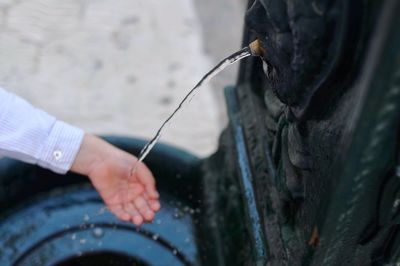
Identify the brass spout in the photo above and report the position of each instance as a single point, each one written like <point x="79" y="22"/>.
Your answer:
<point x="256" y="48"/>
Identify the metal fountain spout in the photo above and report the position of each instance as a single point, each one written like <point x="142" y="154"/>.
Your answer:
<point x="256" y="49"/>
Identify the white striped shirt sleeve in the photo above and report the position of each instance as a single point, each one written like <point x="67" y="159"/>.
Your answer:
<point x="33" y="136"/>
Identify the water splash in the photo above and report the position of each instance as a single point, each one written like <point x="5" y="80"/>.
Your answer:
<point x="86" y="217"/>
<point x="98" y="232"/>
<point x="156" y="236"/>
<point x="235" y="57"/>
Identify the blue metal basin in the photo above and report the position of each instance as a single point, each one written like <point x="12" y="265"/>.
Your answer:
<point x="49" y="219"/>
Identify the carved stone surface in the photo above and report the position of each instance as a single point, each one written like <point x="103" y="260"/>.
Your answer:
<point x="326" y="110"/>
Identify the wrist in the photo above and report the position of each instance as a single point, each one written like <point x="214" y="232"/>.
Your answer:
<point x="92" y="152"/>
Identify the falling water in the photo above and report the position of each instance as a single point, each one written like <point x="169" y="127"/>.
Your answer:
<point x="237" y="56"/>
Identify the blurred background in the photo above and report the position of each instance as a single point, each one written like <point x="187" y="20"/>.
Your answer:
<point x="121" y="67"/>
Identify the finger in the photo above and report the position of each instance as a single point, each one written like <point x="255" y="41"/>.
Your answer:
<point x="144" y="208"/>
<point x="153" y="203"/>
<point x="131" y="209"/>
<point x="120" y="212"/>
<point x="153" y="193"/>
<point x="136" y="217"/>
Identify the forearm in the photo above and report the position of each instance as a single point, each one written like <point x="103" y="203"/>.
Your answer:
<point x="31" y="135"/>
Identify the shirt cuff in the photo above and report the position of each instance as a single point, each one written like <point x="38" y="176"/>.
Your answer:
<point x="61" y="147"/>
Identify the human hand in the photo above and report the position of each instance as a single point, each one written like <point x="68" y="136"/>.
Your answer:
<point x="130" y="196"/>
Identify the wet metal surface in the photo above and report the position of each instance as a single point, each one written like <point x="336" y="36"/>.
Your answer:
<point x="48" y="219"/>
<point x="72" y="222"/>
<point x="246" y="181"/>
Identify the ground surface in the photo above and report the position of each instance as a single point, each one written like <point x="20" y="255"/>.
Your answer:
<point x="121" y="67"/>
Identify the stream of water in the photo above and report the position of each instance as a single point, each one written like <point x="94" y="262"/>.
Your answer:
<point x="235" y="57"/>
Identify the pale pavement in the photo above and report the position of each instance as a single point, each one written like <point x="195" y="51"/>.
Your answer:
<point x="120" y="67"/>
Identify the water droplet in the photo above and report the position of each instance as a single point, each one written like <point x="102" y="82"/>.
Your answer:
<point x="158" y="221"/>
<point x="191" y="211"/>
<point x="86" y="217"/>
<point x="98" y="232"/>
<point x="83" y="226"/>
<point x="73" y="237"/>
<point x="102" y="210"/>
<point x="396" y="203"/>
<point x="174" y="251"/>
<point x="178" y="213"/>
<point x="187" y="240"/>
<point x="82" y="240"/>
<point x="156" y="236"/>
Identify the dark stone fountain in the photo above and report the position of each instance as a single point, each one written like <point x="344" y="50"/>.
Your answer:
<point x="307" y="172"/>
<point x="315" y="137"/>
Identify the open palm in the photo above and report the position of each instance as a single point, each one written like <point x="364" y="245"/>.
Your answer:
<point x="130" y="196"/>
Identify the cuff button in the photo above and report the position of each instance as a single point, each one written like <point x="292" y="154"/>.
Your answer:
<point x="57" y="154"/>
